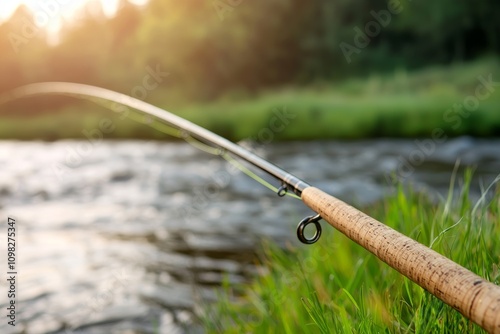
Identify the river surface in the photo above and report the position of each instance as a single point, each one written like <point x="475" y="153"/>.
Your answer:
<point x="135" y="237"/>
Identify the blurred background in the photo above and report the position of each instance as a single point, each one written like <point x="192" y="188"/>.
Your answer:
<point x="124" y="229"/>
<point x="372" y="69"/>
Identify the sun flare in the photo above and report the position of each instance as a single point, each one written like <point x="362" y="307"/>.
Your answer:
<point x="50" y="14"/>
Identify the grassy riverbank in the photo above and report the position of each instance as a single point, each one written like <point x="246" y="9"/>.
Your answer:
<point x="398" y="105"/>
<point x="336" y="286"/>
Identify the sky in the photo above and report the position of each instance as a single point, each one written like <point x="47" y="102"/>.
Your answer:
<point x="50" y="14"/>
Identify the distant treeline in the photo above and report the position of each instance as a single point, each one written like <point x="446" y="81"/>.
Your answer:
<point x="201" y="50"/>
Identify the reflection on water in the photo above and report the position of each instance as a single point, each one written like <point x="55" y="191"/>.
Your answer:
<point x="135" y="236"/>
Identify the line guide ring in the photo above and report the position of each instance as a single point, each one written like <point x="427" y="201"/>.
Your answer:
<point x="282" y="190"/>
<point x="302" y="226"/>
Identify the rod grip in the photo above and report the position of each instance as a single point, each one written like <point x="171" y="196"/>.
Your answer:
<point x="471" y="295"/>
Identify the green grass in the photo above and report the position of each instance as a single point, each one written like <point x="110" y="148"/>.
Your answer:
<point x="397" y="105"/>
<point x="335" y="286"/>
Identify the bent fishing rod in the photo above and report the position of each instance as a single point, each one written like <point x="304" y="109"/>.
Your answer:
<point x="474" y="297"/>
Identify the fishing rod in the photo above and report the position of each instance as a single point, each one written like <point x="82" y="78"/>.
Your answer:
<point x="474" y="297"/>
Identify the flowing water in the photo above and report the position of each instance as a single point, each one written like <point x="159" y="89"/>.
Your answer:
<point x="135" y="237"/>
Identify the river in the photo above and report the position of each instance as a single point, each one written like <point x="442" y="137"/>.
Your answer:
<point x="135" y="237"/>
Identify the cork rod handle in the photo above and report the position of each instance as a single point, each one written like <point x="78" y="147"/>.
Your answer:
<point x="471" y="295"/>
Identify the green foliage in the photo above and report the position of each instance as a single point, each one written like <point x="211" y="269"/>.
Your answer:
<point x="248" y="46"/>
<point x="335" y="286"/>
<point x="398" y="105"/>
<point x="229" y="70"/>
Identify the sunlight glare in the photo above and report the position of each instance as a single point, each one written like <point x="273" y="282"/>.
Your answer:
<point x="51" y="15"/>
<point x="57" y="10"/>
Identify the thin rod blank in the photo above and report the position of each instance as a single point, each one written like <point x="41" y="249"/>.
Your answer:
<point x="475" y="298"/>
<point x="293" y="183"/>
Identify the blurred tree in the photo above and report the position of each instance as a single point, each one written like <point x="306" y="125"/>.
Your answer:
<point x="212" y="48"/>
<point x="15" y="35"/>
